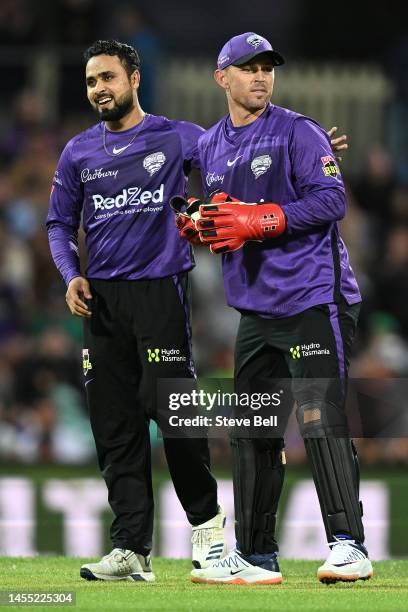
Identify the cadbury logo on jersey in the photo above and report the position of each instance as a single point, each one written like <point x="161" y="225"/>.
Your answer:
<point x="152" y="163"/>
<point x="260" y="165"/>
<point x="91" y="175"/>
<point x="212" y="178"/>
<point x="132" y="196"/>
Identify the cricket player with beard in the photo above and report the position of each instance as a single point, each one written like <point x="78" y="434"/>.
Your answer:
<point x="119" y="175"/>
<point x="286" y="270"/>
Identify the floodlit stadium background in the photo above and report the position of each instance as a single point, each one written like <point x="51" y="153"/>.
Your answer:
<point x="345" y="66"/>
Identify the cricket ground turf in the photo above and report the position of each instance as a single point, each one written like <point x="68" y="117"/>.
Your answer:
<point x="386" y="591"/>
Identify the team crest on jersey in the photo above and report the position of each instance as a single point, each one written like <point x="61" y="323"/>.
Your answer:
<point x="153" y="162"/>
<point x="254" y="40"/>
<point x="329" y="166"/>
<point x="260" y="165"/>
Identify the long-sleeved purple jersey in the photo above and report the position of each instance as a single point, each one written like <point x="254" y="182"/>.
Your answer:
<point x="286" y="158"/>
<point x="123" y="199"/>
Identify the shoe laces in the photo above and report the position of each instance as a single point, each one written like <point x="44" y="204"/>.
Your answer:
<point x="233" y="559"/>
<point x="202" y="537"/>
<point x="120" y="557"/>
<point x="343" y="551"/>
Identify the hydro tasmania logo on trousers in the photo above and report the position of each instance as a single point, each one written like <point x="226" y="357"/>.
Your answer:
<point x="308" y="350"/>
<point x="132" y="196"/>
<point x="164" y="354"/>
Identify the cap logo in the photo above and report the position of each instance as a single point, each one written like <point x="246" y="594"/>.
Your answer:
<point x="255" y="40"/>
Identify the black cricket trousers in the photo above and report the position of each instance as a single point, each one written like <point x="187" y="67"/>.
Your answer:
<point x="133" y="327"/>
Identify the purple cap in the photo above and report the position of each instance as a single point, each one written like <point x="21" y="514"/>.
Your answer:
<point x="242" y="48"/>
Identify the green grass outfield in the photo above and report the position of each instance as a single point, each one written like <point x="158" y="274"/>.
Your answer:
<point x="386" y="591"/>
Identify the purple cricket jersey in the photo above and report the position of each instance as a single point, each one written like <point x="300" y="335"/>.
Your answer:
<point x="124" y="201"/>
<point x="286" y="158"/>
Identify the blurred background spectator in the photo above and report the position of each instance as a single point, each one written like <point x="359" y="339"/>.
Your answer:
<point x="133" y="28"/>
<point x="360" y="86"/>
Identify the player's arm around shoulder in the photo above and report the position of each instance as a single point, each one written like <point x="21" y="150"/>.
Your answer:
<point x="189" y="134"/>
<point x="338" y="143"/>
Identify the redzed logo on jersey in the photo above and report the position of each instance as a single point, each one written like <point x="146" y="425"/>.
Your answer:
<point x="329" y="167"/>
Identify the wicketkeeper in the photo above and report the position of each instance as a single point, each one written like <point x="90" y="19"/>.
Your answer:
<point x="287" y="271"/>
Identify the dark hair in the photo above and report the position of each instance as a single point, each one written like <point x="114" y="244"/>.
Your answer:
<point x="128" y="55"/>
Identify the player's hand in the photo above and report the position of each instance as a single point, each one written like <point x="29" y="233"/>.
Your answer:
<point x="338" y="144"/>
<point x="188" y="212"/>
<point x="187" y="229"/>
<point x="227" y="226"/>
<point x="78" y="289"/>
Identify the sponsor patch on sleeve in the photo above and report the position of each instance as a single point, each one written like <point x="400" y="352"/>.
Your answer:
<point x="329" y="167"/>
<point x="57" y="179"/>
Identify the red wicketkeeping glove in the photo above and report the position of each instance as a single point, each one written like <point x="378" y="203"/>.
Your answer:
<point x="187" y="213"/>
<point x="226" y="227"/>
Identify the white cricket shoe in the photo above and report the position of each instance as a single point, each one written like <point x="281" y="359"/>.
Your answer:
<point x="347" y="562"/>
<point x="208" y="541"/>
<point x="120" y="564"/>
<point x="233" y="569"/>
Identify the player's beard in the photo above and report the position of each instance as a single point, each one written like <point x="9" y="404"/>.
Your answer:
<point x="256" y="105"/>
<point x="254" y="108"/>
<point x="252" y="105"/>
<point x="122" y="107"/>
